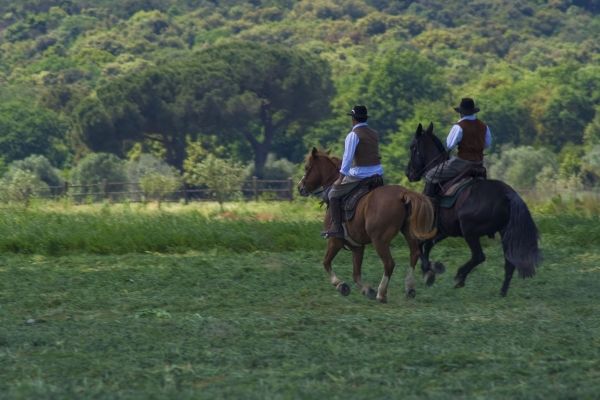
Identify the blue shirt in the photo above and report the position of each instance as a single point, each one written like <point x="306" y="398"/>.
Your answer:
<point x="349" y="148"/>
<point x="456" y="134"/>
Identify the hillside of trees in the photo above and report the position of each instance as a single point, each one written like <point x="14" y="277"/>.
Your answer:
<point x="260" y="82"/>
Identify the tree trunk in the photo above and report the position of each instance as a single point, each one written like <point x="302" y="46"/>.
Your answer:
<point x="176" y="152"/>
<point x="261" y="149"/>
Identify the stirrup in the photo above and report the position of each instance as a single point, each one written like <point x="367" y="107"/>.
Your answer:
<point x="335" y="234"/>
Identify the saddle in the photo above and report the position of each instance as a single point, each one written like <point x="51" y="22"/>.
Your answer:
<point x="349" y="201"/>
<point x="454" y="187"/>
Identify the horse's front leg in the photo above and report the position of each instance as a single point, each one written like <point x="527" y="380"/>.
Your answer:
<point x="357" y="259"/>
<point x="429" y="270"/>
<point x="333" y="247"/>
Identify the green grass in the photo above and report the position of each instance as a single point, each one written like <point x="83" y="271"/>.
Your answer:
<point x="211" y="322"/>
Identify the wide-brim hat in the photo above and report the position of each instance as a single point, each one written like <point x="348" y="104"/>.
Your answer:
<point x="358" y="112"/>
<point x="467" y="106"/>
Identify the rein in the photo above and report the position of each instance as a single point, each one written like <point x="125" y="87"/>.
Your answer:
<point x="432" y="163"/>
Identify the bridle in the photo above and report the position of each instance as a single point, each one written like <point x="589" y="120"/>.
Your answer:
<point x="434" y="161"/>
<point x="319" y="190"/>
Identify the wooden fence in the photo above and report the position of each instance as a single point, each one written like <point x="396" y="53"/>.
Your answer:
<point x="252" y="189"/>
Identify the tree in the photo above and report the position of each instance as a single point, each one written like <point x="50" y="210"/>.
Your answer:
<point x="279" y="93"/>
<point x="26" y="129"/>
<point x="223" y="177"/>
<point x="266" y="95"/>
<point x="565" y="117"/>
<point x="159" y="185"/>
<point x="395" y="83"/>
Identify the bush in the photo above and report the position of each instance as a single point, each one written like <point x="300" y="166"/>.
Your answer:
<point x="41" y="167"/>
<point x="223" y="177"/>
<point x="157" y="186"/>
<point x="95" y="169"/>
<point x="21" y="186"/>
<point x="146" y="164"/>
<point x="520" y="166"/>
<point x="278" y="169"/>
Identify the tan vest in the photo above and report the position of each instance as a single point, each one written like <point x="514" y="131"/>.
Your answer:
<point x="367" y="151"/>
<point x="472" y="143"/>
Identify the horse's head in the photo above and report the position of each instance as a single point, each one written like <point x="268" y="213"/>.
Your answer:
<point x="320" y="170"/>
<point x="426" y="151"/>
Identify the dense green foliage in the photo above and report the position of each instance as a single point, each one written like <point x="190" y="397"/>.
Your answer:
<point x="241" y="308"/>
<point x="277" y="76"/>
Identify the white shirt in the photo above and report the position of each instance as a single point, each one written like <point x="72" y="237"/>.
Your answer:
<point x="456" y="133"/>
<point x="349" y="148"/>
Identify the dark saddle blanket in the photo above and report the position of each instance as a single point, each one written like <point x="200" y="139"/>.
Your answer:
<point x="454" y="187"/>
<point x="350" y="200"/>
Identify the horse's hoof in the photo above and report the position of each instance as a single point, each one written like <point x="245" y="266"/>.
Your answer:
<point x="370" y="293"/>
<point x="429" y="278"/>
<point x="439" y="268"/>
<point x="343" y="288"/>
<point x="382" y="300"/>
<point x="411" y="294"/>
<point x="459" y="284"/>
<point x="503" y="293"/>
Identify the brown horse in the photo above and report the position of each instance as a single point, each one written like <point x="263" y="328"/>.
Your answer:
<point x="379" y="216"/>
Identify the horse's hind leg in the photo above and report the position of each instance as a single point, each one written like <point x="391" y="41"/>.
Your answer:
<point x="477" y="257"/>
<point x="509" y="268"/>
<point x="357" y="259"/>
<point x="409" y="280"/>
<point x="333" y="247"/>
<point x="383" y="250"/>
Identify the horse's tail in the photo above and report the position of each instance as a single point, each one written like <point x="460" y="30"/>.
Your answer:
<point x="520" y="237"/>
<point x="422" y="215"/>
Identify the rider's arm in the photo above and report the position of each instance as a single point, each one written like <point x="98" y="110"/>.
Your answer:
<point x="349" y="149"/>
<point x="454" y="137"/>
<point x="488" y="137"/>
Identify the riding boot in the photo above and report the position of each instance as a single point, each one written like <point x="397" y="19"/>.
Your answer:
<point x="335" y="211"/>
<point x="431" y="190"/>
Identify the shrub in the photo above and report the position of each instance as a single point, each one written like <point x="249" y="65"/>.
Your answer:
<point x="520" y="166"/>
<point x="21" y="186"/>
<point x="41" y="167"/>
<point x="223" y="177"/>
<point x="157" y="186"/>
<point x="95" y="169"/>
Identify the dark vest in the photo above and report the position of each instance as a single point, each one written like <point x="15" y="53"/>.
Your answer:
<point x="367" y="151"/>
<point x="472" y="143"/>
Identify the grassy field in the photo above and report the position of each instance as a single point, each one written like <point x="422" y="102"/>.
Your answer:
<point x="188" y="302"/>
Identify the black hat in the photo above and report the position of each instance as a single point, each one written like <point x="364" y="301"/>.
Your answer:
<point x="466" y="107"/>
<point x="358" y="112"/>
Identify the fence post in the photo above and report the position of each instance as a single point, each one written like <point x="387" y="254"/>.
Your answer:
<point x="186" y="195"/>
<point x="255" y="188"/>
<point x="291" y="189"/>
<point x="104" y="189"/>
<point x="65" y="188"/>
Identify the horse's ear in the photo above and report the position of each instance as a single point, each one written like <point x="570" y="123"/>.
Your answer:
<point x="430" y="128"/>
<point x="314" y="152"/>
<point x="419" y="130"/>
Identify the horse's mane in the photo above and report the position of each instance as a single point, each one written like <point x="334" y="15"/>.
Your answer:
<point x="438" y="142"/>
<point x="320" y="153"/>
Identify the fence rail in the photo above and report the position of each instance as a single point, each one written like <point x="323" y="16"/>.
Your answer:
<point x="252" y="189"/>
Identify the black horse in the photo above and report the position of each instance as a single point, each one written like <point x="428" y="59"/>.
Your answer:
<point x="484" y="208"/>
